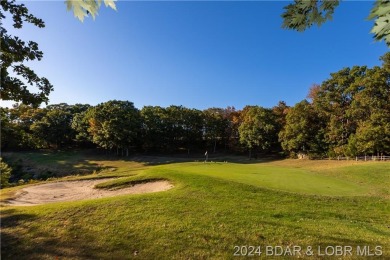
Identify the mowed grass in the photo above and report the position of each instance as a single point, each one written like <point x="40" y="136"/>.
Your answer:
<point x="212" y="208"/>
<point x="278" y="178"/>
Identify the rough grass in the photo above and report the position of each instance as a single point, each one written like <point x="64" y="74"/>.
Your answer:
<point x="212" y="208"/>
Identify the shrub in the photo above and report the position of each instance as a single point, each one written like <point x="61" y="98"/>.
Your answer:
<point x="5" y="173"/>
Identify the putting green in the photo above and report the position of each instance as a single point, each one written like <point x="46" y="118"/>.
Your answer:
<point x="274" y="177"/>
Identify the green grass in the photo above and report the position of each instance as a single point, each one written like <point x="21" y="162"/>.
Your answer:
<point x="212" y="208"/>
<point x="275" y="177"/>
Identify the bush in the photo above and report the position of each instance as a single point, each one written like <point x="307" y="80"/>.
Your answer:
<point x="17" y="171"/>
<point x="45" y="175"/>
<point x="5" y="174"/>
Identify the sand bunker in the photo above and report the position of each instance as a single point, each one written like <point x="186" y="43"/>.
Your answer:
<point x="79" y="190"/>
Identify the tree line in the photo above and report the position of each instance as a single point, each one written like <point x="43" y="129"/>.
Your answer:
<point x="346" y="115"/>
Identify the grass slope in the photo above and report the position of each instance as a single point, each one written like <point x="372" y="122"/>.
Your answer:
<point x="212" y="208"/>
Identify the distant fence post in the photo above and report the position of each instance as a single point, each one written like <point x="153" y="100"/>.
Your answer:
<point x="356" y="158"/>
<point x="365" y="157"/>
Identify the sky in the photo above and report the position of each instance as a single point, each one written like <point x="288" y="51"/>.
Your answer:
<point x="198" y="54"/>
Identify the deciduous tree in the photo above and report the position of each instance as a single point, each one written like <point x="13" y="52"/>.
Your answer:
<point x="215" y="126"/>
<point x="154" y="128"/>
<point x="54" y="128"/>
<point x="302" y="14"/>
<point x="16" y="76"/>
<point x="303" y="131"/>
<point x="332" y="100"/>
<point x="257" y="130"/>
<point x="115" y="124"/>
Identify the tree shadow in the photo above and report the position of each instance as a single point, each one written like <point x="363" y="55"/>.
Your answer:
<point x="21" y="239"/>
<point x="41" y="165"/>
<point x="48" y="164"/>
<point x="151" y="160"/>
<point x="324" y="240"/>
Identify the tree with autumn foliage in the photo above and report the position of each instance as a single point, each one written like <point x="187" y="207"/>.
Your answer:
<point x="371" y="108"/>
<point x="354" y="103"/>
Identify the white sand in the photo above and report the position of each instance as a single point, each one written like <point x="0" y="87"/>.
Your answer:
<point x="78" y="190"/>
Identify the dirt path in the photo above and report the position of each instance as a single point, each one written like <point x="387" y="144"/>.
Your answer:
<point x="78" y="190"/>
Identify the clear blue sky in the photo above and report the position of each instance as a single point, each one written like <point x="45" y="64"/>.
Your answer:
<point x="196" y="54"/>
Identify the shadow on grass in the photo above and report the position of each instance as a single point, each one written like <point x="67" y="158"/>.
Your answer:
<point x="324" y="240"/>
<point x="21" y="239"/>
<point x="149" y="160"/>
<point x="46" y="164"/>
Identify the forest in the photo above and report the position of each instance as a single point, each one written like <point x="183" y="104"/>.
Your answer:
<point x="346" y="115"/>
